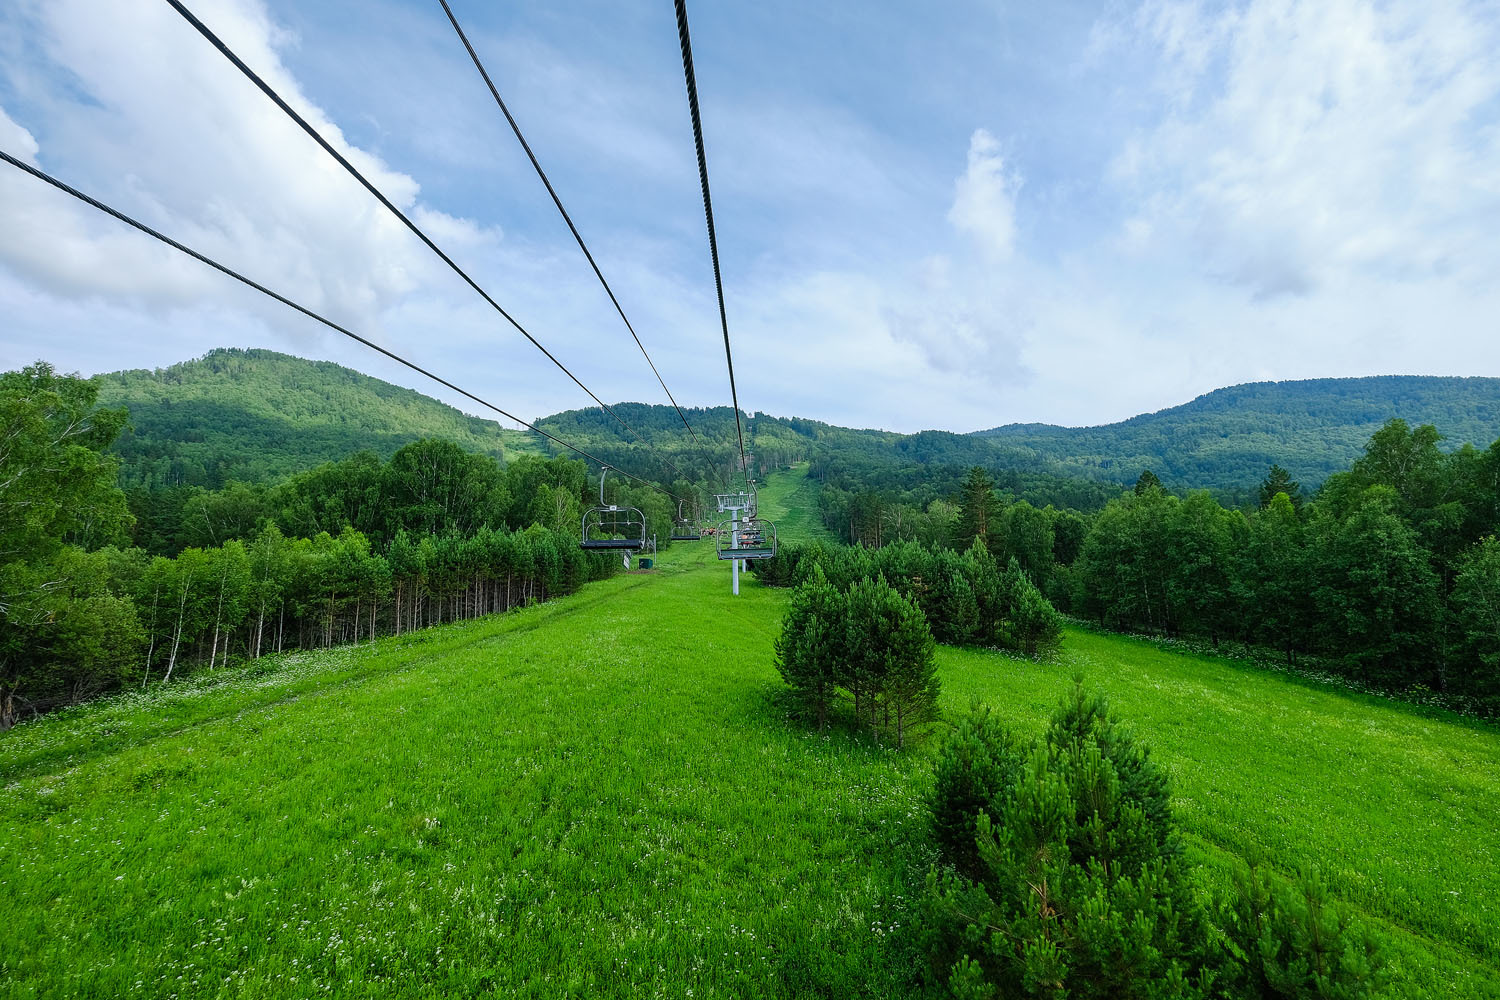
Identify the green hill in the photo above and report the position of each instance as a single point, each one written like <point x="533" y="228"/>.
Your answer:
<point x="1228" y="437"/>
<point x="601" y="796"/>
<point x="258" y="416"/>
<point x="790" y="501"/>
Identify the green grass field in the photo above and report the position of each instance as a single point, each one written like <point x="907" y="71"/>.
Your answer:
<point x="600" y="796"/>
<point x="790" y="500"/>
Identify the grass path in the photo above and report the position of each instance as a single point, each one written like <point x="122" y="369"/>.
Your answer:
<point x="599" y="797"/>
<point x="790" y="500"/>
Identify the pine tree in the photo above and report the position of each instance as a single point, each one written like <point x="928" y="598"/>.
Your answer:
<point x="1082" y="889"/>
<point x="867" y="662"/>
<point x="1032" y="625"/>
<point x="912" y="686"/>
<point x="993" y="603"/>
<point x="978" y="511"/>
<point x="1147" y="482"/>
<point x="957" y="612"/>
<point x="1278" y="480"/>
<point x="811" y="644"/>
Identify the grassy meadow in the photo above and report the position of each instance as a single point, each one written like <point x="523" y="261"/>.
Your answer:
<point x="790" y="501"/>
<point x="600" y="796"/>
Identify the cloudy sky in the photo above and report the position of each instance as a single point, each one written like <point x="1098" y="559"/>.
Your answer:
<point x="930" y="215"/>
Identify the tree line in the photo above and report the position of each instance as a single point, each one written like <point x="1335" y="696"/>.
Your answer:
<point x="431" y="486"/>
<point x="1388" y="573"/>
<point x="345" y="552"/>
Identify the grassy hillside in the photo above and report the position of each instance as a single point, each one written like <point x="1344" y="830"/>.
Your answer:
<point x="258" y="416"/>
<point x="1229" y="437"/>
<point x="600" y="797"/>
<point x="790" y="500"/>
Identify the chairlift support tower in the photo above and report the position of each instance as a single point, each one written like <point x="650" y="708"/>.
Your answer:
<point x="733" y="504"/>
<point x="750" y="536"/>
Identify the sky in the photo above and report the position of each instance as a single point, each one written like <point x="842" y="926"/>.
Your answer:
<point x="947" y="216"/>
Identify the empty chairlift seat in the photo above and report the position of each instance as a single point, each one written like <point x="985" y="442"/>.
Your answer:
<point x="685" y="530"/>
<point x="610" y="526"/>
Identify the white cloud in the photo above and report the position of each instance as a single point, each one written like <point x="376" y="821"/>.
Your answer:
<point x="15" y="140"/>
<point x="984" y="199"/>
<point x="159" y="124"/>
<point x="1305" y="142"/>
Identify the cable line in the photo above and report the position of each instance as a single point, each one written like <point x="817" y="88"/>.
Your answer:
<point x="515" y="127"/>
<point x="494" y="92"/>
<point x="265" y="88"/>
<point x="708" y="212"/>
<point x="224" y="269"/>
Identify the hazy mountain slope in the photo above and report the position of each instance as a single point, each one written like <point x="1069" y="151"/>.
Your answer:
<point x="1228" y="437"/>
<point x="258" y="415"/>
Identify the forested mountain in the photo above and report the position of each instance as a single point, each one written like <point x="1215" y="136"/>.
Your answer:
<point x="258" y="416"/>
<point x="1229" y="437"/>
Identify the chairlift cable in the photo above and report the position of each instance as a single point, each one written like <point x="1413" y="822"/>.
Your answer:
<point x="546" y="182"/>
<point x="224" y="269"/>
<point x="577" y="236"/>
<point x="708" y="212"/>
<point x="276" y="98"/>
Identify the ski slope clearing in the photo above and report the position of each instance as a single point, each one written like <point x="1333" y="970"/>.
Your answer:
<point x="600" y="796"/>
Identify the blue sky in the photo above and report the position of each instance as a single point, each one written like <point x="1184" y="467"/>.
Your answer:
<point x="951" y="216"/>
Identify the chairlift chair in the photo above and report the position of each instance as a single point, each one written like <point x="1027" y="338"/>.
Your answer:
<point x="757" y="539"/>
<point x="610" y="526"/>
<point x="683" y="529"/>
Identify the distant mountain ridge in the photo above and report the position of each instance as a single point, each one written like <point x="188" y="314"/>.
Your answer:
<point x="258" y="415"/>
<point x="1228" y="437"/>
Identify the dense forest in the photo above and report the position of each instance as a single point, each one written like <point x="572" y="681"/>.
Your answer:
<point x="93" y="598"/>
<point x="256" y="416"/>
<point x="1225" y="439"/>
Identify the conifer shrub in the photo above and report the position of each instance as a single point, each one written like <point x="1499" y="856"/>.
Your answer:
<point x="871" y="643"/>
<point x="1075" y="885"/>
<point x="1032" y="627"/>
<point x="1063" y="876"/>
<point x="810" y="648"/>
<point x="1294" y="942"/>
<point x="975" y="767"/>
